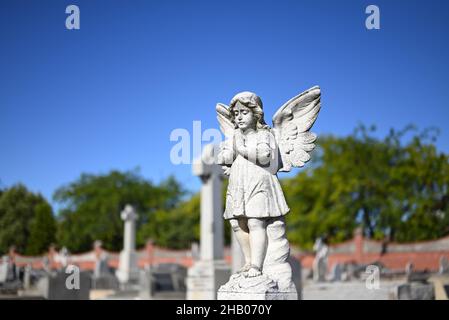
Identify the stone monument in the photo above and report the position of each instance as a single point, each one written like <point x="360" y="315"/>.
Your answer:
<point x="128" y="272"/>
<point x="444" y="265"/>
<point x="210" y="271"/>
<point x="103" y="278"/>
<point x="320" y="261"/>
<point x="255" y="205"/>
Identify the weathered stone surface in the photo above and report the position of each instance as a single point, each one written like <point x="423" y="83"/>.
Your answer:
<point x="276" y="265"/>
<point x="416" y="291"/>
<point x="262" y="287"/>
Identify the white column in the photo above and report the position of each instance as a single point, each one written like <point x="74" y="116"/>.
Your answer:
<point x="128" y="270"/>
<point x="211" y="271"/>
<point x="211" y="241"/>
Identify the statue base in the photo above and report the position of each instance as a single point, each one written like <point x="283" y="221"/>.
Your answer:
<point x="204" y="278"/>
<point x="261" y="287"/>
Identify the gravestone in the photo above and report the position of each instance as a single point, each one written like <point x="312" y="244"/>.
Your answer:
<point x="27" y="277"/>
<point x="195" y="250"/>
<point x="103" y="278"/>
<point x="320" y="261"/>
<point x="10" y="281"/>
<point x="4" y="269"/>
<point x="444" y="265"/>
<point x="211" y="271"/>
<point x="128" y="272"/>
<point x="409" y="268"/>
<point x="54" y="286"/>
<point x="163" y="280"/>
<point x="63" y="257"/>
<point x="146" y="283"/>
<point x="336" y="273"/>
<point x="416" y="291"/>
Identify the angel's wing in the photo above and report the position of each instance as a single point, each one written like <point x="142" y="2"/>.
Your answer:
<point x="291" y="125"/>
<point x="224" y="119"/>
<point x="225" y="156"/>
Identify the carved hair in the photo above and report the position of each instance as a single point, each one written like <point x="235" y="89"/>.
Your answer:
<point x="254" y="103"/>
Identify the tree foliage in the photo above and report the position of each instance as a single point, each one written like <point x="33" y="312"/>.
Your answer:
<point x="396" y="187"/>
<point x="92" y="204"/>
<point x="176" y="228"/>
<point x="390" y="187"/>
<point x="26" y="221"/>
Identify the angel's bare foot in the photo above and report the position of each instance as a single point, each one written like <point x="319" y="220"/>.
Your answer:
<point x="245" y="268"/>
<point x="253" y="272"/>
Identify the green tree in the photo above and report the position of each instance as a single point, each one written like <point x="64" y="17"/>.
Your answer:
<point x="42" y="229"/>
<point x="91" y="206"/>
<point x="392" y="187"/>
<point x="26" y="221"/>
<point x="176" y="228"/>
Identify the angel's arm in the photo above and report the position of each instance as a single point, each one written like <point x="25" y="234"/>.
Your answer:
<point x="226" y="154"/>
<point x="259" y="154"/>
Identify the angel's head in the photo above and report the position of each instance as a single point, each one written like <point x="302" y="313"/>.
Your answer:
<point x="247" y="111"/>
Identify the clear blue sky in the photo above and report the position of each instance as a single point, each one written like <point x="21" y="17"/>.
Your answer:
<point x="108" y="95"/>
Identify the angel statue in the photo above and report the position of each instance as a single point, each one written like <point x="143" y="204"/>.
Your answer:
<point x="252" y="155"/>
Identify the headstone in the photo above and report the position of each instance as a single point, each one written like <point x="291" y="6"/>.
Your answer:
<point x="207" y="274"/>
<point x="54" y="286"/>
<point x="7" y="270"/>
<point x="163" y="280"/>
<point x="146" y="282"/>
<point x="27" y="277"/>
<point x="46" y="264"/>
<point x="4" y="268"/>
<point x="103" y="278"/>
<point x="195" y="249"/>
<point x="63" y="257"/>
<point x="409" y="267"/>
<point x="128" y="272"/>
<point x="444" y="265"/>
<point x="336" y="273"/>
<point x="416" y="291"/>
<point x="320" y="261"/>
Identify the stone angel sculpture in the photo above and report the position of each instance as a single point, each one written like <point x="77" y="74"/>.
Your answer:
<point x="252" y="155"/>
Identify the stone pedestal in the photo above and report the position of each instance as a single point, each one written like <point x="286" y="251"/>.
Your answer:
<point x="276" y="281"/>
<point x="257" y="288"/>
<point x="204" y="279"/>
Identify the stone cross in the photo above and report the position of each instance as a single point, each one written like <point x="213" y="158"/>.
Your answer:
<point x="129" y="216"/>
<point x="128" y="271"/>
<point x="210" y="271"/>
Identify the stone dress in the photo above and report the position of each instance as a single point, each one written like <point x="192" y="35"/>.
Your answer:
<point x="254" y="190"/>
